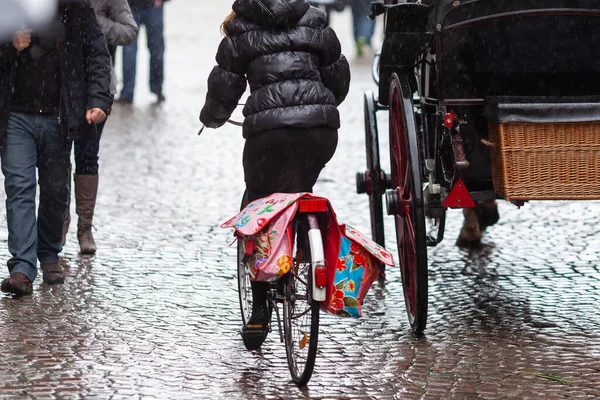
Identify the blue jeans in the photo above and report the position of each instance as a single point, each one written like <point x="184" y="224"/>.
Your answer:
<point x="34" y="141"/>
<point x="152" y="17"/>
<point x="86" y="153"/>
<point x="363" y="25"/>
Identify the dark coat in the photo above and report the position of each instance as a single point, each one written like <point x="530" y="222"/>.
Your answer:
<point x="292" y="62"/>
<point x="116" y="20"/>
<point x="118" y="25"/>
<point x="85" y="70"/>
<point x="140" y="4"/>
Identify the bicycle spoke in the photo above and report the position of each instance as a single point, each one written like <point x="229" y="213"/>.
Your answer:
<point x="302" y="314"/>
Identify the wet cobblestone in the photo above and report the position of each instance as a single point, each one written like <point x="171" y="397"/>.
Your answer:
<point x="155" y="313"/>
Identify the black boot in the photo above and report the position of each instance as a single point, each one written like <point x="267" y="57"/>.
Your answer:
<point x="256" y="329"/>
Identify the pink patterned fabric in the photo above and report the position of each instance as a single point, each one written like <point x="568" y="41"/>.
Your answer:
<point x="369" y="245"/>
<point x="260" y="212"/>
<point x="353" y="259"/>
<point x="265" y="222"/>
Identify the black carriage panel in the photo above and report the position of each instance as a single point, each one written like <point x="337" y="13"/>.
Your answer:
<point x="518" y="48"/>
<point x="503" y="110"/>
<point x="407" y="35"/>
<point x="478" y="177"/>
<point x="447" y="13"/>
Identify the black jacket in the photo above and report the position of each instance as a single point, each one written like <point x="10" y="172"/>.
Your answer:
<point x="292" y="61"/>
<point x="85" y="70"/>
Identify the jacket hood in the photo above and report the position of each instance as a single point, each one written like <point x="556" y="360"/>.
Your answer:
<point x="271" y="12"/>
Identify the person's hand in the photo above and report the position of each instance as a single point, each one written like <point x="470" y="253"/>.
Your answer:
<point x="95" y="115"/>
<point x="158" y="3"/>
<point x="22" y="39"/>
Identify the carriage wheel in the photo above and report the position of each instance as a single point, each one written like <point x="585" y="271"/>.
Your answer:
<point x="373" y="181"/>
<point x="405" y="201"/>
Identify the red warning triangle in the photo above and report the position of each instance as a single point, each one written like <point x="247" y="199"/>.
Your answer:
<point x="459" y="197"/>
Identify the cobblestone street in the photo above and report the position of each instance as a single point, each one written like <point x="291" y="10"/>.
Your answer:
<point x="155" y="313"/>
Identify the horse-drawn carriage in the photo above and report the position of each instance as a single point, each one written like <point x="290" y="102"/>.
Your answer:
<point x="487" y="99"/>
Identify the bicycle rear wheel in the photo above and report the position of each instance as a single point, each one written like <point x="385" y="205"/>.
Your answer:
<point x="300" y="312"/>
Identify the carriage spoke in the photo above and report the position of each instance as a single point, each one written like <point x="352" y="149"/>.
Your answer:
<point x="411" y="234"/>
<point x="410" y="253"/>
<point x="396" y="163"/>
<point x="406" y="184"/>
<point x="400" y="227"/>
<point x="403" y="170"/>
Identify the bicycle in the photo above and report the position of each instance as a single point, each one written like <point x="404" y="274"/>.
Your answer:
<point x="299" y="292"/>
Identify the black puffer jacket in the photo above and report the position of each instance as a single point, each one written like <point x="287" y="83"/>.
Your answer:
<point x="292" y="62"/>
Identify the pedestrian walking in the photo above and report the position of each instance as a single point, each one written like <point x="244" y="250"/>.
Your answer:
<point x="120" y="29"/>
<point x="54" y="88"/>
<point x="297" y="75"/>
<point x="149" y="13"/>
<point x="363" y="26"/>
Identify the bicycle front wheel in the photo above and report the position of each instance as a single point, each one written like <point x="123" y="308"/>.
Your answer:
<point x="244" y="291"/>
<point x="243" y="276"/>
<point x="300" y="311"/>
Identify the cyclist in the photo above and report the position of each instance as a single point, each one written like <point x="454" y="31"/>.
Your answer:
<point x="297" y="75"/>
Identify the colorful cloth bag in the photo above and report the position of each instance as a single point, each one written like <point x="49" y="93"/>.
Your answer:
<point x="265" y="222"/>
<point x="357" y="263"/>
<point x="353" y="259"/>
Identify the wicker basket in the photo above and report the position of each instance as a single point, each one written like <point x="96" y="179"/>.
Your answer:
<point x="546" y="161"/>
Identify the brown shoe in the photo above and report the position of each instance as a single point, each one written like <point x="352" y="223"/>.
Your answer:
<point x="18" y="284"/>
<point x="86" y="189"/>
<point x="53" y="273"/>
<point x="470" y="233"/>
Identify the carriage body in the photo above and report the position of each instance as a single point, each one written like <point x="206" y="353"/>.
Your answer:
<point x="487" y="99"/>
